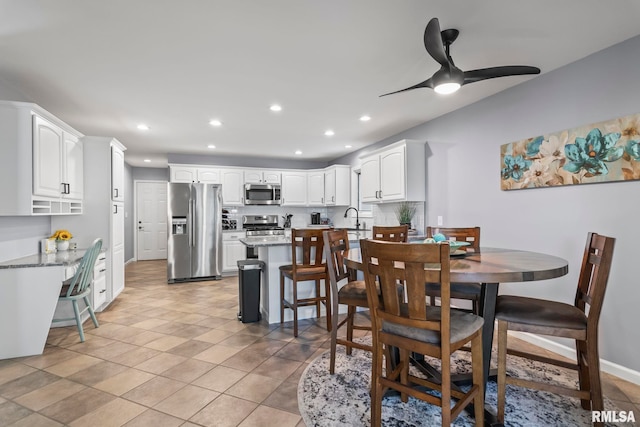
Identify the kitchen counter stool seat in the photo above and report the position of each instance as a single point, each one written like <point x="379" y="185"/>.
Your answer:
<point x="79" y="288"/>
<point x="310" y="268"/>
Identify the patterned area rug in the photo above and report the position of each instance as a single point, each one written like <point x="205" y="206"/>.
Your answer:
<point x="342" y="399"/>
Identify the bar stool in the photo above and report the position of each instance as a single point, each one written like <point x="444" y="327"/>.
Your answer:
<point x="398" y="233"/>
<point x="309" y="242"/>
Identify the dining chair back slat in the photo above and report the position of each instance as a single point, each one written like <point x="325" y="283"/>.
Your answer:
<point x="397" y="233"/>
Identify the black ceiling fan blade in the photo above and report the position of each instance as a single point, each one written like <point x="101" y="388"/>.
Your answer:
<point x="426" y="83"/>
<point x="493" y="72"/>
<point x="433" y="42"/>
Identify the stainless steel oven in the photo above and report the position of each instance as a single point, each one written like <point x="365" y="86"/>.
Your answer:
<point x="260" y="225"/>
<point x="262" y="194"/>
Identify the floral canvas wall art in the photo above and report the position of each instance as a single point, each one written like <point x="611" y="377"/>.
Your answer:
<point x="600" y="152"/>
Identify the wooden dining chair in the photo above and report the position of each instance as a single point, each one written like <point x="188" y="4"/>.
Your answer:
<point x="413" y="326"/>
<point x="79" y="288"/>
<point x="397" y="233"/>
<point x="557" y="319"/>
<point x="463" y="291"/>
<point x="352" y="293"/>
<point x="306" y="256"/>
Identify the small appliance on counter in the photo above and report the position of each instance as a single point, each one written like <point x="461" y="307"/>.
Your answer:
<point x="315" y="218"/>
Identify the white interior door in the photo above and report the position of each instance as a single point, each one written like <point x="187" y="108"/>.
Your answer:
<point x="151" y="212"/>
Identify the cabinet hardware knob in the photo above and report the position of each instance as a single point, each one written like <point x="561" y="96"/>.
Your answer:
<point x="103" y="291"/>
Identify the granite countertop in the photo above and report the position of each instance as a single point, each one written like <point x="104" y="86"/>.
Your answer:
<point x="256" y="241"/>
<point x="64" y="258"/>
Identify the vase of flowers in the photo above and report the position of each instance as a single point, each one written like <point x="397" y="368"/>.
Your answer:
<point x="62" y="238"/>
<point x="405" y="212"/>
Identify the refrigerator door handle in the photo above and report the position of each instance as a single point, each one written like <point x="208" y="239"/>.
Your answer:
<point x="189" y="223"/>
<point x="193" y="222"/>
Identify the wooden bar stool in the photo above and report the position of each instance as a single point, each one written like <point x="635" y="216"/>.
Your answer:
<point x="464" y="291"/>
<point x="309" y="268"/>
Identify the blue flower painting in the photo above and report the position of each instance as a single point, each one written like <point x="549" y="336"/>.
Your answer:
<point x="600" y="152"/>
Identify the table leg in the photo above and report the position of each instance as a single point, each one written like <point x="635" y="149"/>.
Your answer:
<point x="488" y="298"/>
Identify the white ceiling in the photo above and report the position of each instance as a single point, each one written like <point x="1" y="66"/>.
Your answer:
<point x="106" y="66"/>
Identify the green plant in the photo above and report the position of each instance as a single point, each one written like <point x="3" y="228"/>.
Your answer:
<point x="405" y="212"/>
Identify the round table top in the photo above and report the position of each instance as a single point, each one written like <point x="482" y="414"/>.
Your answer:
<point x="493" y="265"/>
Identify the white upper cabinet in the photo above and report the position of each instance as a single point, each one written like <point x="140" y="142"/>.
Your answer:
<point x="337" y="185"/>
<point x="384" y="174"/>
<point x="57" y="161"/>
<point x="315" y="188"/>
<point x="180" y="173"/>
<point x="117" y="174"/>
<point x="209" y="175"/>
<point x="294" y="188"/>
<point x="41" y="162"/>
<point x="232" y="187"/>
<point x="48" y="148"/>
<point x="258" y="176"/>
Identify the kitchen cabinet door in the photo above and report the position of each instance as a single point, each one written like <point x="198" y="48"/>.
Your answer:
<point x="271" y="177"/>
<point x="117" y="174"/>
<point x="392" y="174"/>
<point x="232" y="187"/>
<point x="73" y="167"/>
<point x="370" y="179"/>
<point x="315" y="188"/>
<point x="183" y="174"/>
<point x="209" y="175"/>
<point x="232" y="252"/>
<point x="294" y="188"/>
<point x="48" y="142"/>
<point x="117" y="253"/>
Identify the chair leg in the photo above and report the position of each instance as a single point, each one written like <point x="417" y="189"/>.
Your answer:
<point x="318" y="297"/>
<point x="91" y="313"/>
<point x="351" y="311"/>
<point x="295" y="308"/>
<point x="445" y="403"/>
<point x="76" y="312"/>
<point x="478" y="379"/>
<point x="376" y="387"/>
<point x="584" y="382"/>
<point x="502" y="368"/>
<point x="593" y="360"/>
<point x="334" y="335"/>
<point x="327" y="304"/>
<point x="281" y="298"/>
<point x="404" y="372"/>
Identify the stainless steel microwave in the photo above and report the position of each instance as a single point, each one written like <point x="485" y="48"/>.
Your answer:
<point x="262" y="194"/>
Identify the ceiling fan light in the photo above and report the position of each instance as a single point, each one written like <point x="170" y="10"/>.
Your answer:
<point x="447" y="88"/>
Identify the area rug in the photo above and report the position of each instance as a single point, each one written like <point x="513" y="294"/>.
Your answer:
<point x="343" y="399"/>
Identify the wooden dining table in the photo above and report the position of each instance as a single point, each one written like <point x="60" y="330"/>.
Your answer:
<point x="490" y="267"/>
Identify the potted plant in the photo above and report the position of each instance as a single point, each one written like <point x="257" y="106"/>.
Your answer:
<point x="405" y="212"/>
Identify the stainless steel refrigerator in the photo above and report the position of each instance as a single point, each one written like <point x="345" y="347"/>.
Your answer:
<point x="194" y="249"/>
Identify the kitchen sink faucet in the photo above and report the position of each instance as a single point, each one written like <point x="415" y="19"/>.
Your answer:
<point x="357" y="216"/>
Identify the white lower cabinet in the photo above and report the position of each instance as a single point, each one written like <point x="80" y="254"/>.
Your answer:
<point x="99" y="285"/>
<point x="233" y="250"/>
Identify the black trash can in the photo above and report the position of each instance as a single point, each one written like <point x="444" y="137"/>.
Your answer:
<point x="249" y="292"/>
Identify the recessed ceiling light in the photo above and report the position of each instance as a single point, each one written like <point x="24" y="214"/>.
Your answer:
<point x="147" y="160"/>
<point x="142" y="126"/>
<point x="365" y="118"/>
<point x="347" y="146"/>
<point x="211" y="146"/>
<point x="329" y="132"/>
<point x="298" y="152"/>
<point x="215" y="122"/>
<point x="275" y="107"/>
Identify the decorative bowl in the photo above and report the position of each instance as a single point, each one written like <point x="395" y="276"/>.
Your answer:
<point x="454" y="245"/>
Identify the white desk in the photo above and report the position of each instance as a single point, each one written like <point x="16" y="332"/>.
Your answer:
<point x="29" y="290"/>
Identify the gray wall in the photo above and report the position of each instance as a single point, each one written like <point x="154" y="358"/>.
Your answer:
<point x="463" y="183"/>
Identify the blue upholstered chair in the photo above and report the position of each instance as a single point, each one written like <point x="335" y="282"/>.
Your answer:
<point x="79" y="287"/>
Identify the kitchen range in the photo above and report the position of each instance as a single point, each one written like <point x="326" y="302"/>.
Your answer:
<point x="261" y="226"/>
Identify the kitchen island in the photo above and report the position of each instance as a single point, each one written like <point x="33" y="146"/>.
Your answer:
<point x="29" y="290"/>
<point x="275" y="251"/>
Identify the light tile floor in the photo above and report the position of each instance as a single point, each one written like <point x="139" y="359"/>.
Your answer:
<point x="175" y="355"/>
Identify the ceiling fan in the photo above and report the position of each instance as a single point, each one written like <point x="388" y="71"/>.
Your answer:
<point x="449" y="78"/>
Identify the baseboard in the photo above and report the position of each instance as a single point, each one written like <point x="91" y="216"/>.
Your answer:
<point x="606" y="366"/>
<point x="130" y="261"/>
